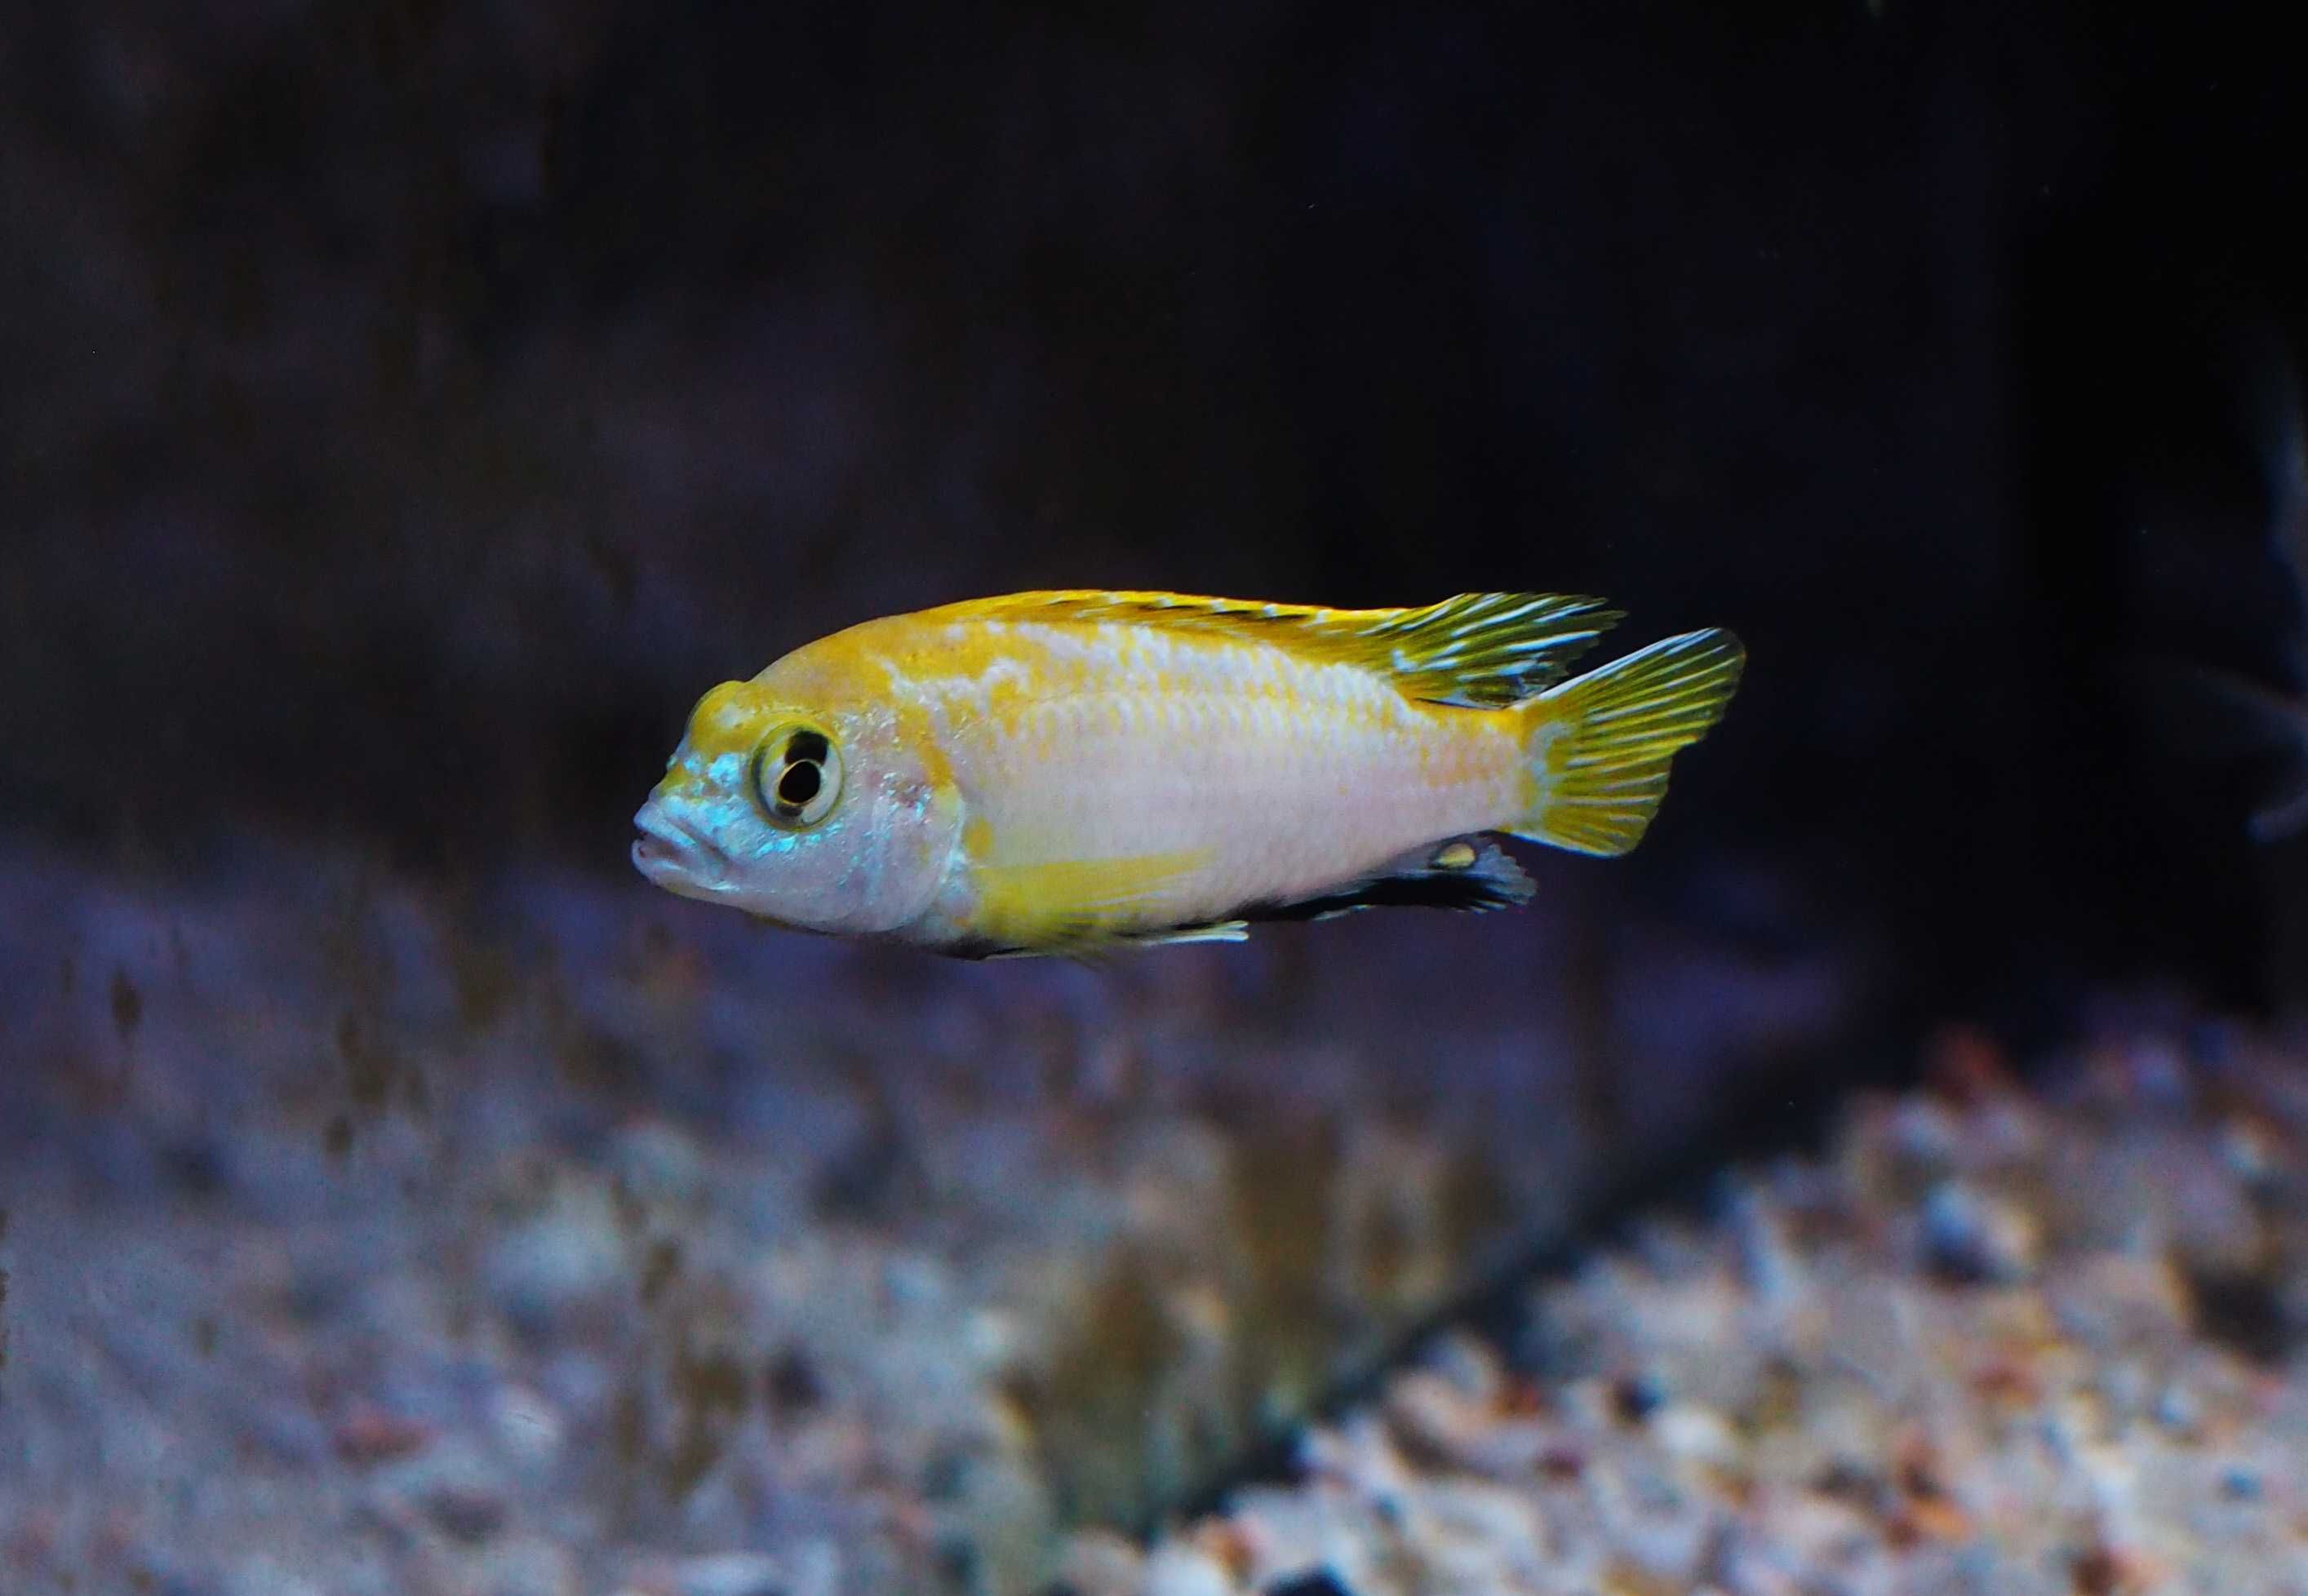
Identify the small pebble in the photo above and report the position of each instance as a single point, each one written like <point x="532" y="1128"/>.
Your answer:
<point x="1428" y="1411"/>
<point x="1694" y="1434"/>
<point x="454" y="1486"/>
<point x="1179" y="1570"/>
<point x="2240" y="1485"/>
<point x="529" y="1428"/>
<point x="1974" y="1239"/>
<point x="2214" y="1229"/>
<point x="1767" y="1265"/>
<point x="2253" y="1156"/>
<point x="528" y="1568"/>
<point x="1470" y="1366"/>
<point x="657" y="1164"/>
<point x="1100" y="1563"/>
<point x="1634" y="1398"/>
<point x="571" y="1252"/>
<point x="731" y="1574"/>
<point x="1321" y="1582"/>
<point x="2177" y="1410"/>
<point x="1923" y="1136"/>
<point x="265" y="1575"/>
<point x="367" y="1434"/>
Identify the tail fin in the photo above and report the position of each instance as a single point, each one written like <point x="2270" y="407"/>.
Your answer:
<point x="1601" y="744"/>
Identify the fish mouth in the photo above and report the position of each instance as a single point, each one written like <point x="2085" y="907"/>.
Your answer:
<point x="674" y="855"/>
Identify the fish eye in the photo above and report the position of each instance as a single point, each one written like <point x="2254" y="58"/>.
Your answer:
<point x="797" y="776"/>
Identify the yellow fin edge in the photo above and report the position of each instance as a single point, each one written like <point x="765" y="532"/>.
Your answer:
<point x="1603" y="744"/>
<point x="1489" y="649"/>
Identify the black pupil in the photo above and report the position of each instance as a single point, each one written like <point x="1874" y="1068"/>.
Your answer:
<point x="799" y="784"/>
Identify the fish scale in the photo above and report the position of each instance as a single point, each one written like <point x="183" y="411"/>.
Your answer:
<point x="1310" y="793"/>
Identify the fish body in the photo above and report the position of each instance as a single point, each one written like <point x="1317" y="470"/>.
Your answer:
<point x="1061" y="772"/>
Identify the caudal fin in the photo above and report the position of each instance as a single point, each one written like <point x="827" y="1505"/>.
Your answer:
<point x="1600" y="744"/>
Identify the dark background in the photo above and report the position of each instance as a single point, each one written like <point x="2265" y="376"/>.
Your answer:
<point x="409" y="408"/>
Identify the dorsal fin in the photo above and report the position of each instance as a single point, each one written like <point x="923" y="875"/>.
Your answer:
<point x="1479" y="649"/>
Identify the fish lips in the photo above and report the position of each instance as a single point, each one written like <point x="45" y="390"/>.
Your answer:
<point x="674" y="855"/>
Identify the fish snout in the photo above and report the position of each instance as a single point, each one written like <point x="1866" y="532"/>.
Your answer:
<point x="667" y="848"/>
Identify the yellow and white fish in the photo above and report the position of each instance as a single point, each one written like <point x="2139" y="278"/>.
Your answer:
<point x="1063" y="772"/>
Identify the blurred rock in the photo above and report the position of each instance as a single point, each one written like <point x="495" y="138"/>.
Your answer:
<point x="264" y="1575"/>
<point x="461" y="1492"/>
<point x="658" y="1165"/>
<point x="570" y="1253"/>
<point x="1100" y="1563"/>
<point x="529" y="1428"/>
<point x="527" y="1568"/>
<point x="1182" y="1571"/>
<point x="740" y="1573"/>
<point x="366" y="1434"/>
<point x="1319" y="1582"/>
<point x="1971" y="1236"/>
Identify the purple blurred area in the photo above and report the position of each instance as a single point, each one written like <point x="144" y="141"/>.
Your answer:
<point x="407" y="411"/>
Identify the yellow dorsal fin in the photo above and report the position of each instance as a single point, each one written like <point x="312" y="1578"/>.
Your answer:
<point x="1477" y="649"/>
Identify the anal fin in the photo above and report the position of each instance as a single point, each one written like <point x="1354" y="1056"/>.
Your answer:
<point x="1468" y="874"/>
<point x="1091" y="946"/>
<point x="1465" y="874"/>
<point x="1218" y="930"/>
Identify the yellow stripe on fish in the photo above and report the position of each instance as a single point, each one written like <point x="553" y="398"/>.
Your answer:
<point x="1063" y="772"/>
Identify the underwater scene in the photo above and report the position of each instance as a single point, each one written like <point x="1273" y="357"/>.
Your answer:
<point x="1253" y="800"/>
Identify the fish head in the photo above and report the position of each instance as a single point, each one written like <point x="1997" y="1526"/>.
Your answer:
<point x="820" y="816"/>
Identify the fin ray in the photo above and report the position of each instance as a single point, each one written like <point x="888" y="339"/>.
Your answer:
<point x="1216" y="931"/>
<point x="1604" y="742"/>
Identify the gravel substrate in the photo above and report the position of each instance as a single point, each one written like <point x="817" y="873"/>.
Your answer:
<point x="1997" y="1342"/>
<point x="558" y="1237"/>
<point x="360" y="1238"/>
